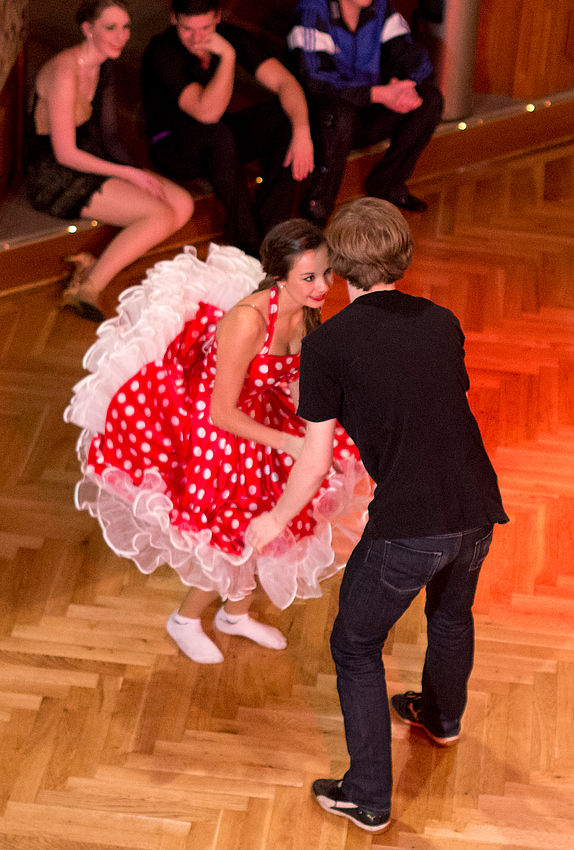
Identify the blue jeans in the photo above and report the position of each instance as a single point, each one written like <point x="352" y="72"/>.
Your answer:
<point x="380" y="581"/>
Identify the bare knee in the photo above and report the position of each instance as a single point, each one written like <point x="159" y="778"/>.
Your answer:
<point x="165" y="217"/>
<point x="174" y="211"/>
<point x="180" y="202"/>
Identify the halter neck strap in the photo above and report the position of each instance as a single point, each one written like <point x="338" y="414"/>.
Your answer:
<point x="273" y="302"/>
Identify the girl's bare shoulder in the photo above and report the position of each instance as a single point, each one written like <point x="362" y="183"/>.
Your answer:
<point x="258" y="308"/>
<point x="246" y="321"/>
<point x="58" y="69"/>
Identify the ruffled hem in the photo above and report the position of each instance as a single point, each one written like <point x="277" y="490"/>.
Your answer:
<point x="135" y="521"/>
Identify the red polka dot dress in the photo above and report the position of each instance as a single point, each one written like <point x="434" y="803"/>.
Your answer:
<point x="166" y="484"/>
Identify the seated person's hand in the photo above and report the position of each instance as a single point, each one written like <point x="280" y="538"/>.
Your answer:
<point x="214" y="43"/>
<point x="398" y="95"/>
<point x="262" y="530"/>
<point x="300" y="153"/>
<point x="146" y="181"/>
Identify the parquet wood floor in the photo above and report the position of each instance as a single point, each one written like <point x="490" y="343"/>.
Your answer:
<point x="110" y="738"/>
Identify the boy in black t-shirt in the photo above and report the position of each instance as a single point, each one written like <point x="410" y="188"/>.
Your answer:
<point x="188" y="78"/>
<point x="390" y="368"/>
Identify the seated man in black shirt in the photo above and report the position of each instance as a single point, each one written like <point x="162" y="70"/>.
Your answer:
<point x="188" y="78"/>
<point x="390" y="368"/>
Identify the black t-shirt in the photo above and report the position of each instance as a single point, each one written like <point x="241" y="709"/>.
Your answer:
<point x="168" y="68"/>
<point x="390" y="368"/>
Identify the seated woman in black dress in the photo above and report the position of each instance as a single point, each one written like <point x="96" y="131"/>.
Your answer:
<point x="78" y="167"/>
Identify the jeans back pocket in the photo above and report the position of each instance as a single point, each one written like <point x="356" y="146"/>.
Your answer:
<point x="406" y="569"/>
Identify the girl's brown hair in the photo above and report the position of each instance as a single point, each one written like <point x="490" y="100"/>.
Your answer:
<point x="281" y="247"/>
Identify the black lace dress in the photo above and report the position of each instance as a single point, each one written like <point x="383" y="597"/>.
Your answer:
<point x="61" y="191"/>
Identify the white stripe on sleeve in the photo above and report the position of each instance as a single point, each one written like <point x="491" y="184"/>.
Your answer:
<point x="394" y="26"/>
<point x="313" y="41"/>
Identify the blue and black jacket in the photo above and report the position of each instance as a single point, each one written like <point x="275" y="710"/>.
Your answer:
<point x="332" y="61"/>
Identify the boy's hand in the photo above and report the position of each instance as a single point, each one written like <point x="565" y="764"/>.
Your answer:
<point x="399" y="95"/>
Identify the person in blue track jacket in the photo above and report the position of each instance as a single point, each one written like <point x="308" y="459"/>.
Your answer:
<point x="365" y="81"/>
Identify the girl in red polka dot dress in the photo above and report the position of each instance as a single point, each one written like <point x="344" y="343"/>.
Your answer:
<point x="190" y="430"/>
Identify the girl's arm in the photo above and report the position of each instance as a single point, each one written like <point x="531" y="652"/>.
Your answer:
<point x="60" y="95"/>
<point x="240" y="336"/>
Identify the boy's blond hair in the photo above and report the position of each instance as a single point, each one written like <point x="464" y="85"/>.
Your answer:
<point x="369" y="243"/>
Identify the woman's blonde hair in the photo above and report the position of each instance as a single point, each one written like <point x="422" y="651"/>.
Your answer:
<point x="369" y="242"/>
<point x="90" y="10"/>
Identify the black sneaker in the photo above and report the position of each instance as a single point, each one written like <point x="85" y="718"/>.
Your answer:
<point x="408" y="707"/>
<point x="329" y="795"/>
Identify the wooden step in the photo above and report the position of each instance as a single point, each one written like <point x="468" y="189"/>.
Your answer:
<point x="40" y="262"/>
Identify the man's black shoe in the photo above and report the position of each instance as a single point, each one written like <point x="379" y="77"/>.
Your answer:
<point x="402" y="198"/>
<point x="329" y="794"/>
<point x="408" y="707"/>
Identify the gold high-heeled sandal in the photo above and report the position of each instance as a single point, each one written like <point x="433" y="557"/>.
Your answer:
<point x="84" y="309"/>
<point x="83" y="263"/>
<point x="72" y="294"/>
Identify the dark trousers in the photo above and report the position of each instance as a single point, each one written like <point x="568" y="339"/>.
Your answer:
<point x="338" y="128"/>
<point x="218" y="151"/>
<point x="380" y="581"/>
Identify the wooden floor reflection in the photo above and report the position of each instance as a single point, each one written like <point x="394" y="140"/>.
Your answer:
<point x="112" y="739"/>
